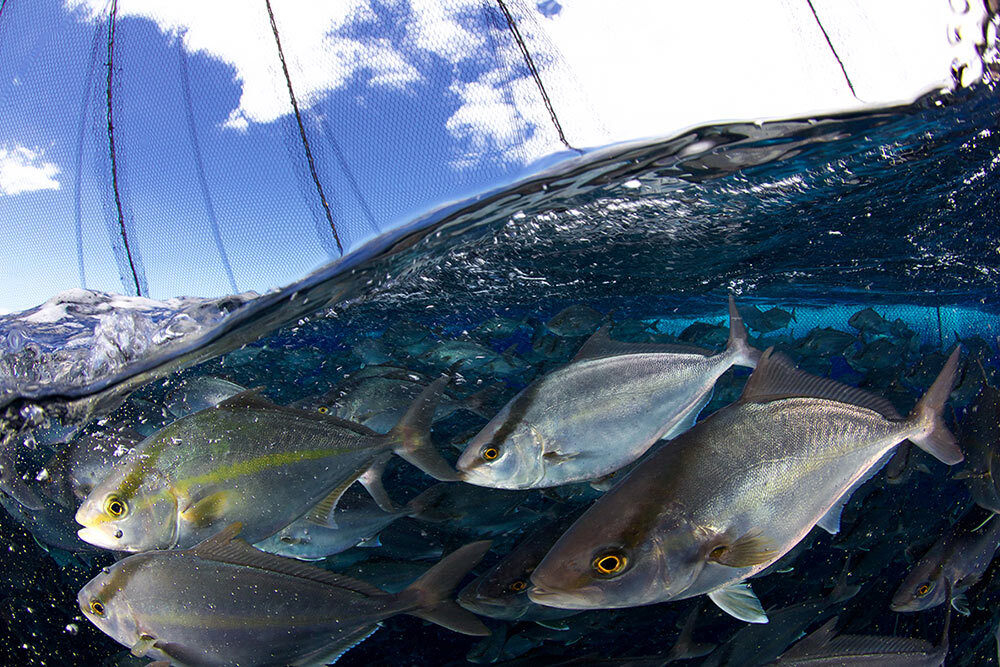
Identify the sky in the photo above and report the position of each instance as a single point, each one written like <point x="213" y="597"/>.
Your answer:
<point x="406" y="105"/>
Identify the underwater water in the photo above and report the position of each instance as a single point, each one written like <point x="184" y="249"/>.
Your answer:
<point x="863" y="246"/>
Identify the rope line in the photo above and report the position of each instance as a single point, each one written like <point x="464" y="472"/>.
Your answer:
<point x="830" y="44"/>
<point x="302" y="130"/>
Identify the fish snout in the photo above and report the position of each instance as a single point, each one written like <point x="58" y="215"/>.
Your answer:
<point x="104" y="537"/>
<point x="583" y="598"/>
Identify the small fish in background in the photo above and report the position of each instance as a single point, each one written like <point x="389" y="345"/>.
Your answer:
<point x="877" y="355"/>
<point x="766" y="321"/>
<point x="795" y="448"/>
<point x="979" y="433"/>
<point x="51" y="523"/>
<point x="199" y="393"/>
<point x="412" y="337"/>
<point x="145" y="417"/>
<point x="356" y="521"/>
<point x="473" y="510"/>
<point x="73" y="472"/>
<point x="575" y="321"/>
<point x="501" y="592"/>
<point x="870" y="322"/>
<point x="372" y="351"/>
<point x="825" y="342"/>
<point x="704" y="334"/>
<point x="252" y="461"/>
<point x="960" y="557"/>
<point x="224" y="602"/>
<point x="557" y="430"/>
<point x="825" y="647"/>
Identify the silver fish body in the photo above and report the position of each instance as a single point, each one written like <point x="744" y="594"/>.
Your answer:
<point x="732" y="495"/>
<point x="599" y="413"/>
<point x="226" y="603"/>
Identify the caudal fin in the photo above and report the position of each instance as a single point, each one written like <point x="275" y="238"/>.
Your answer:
<point x="738" y="342"/>
<point x="934" y="437"/>
<point x="411" y="437"/>
<point x="429" y="596"/>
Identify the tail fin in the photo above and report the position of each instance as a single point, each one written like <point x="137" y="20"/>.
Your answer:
<point x="429" y="595"/>
<point x="738" y="342"/>
<point x="411" y="437"/>
<point x="934" y="437"/>
<point x="487" y="401"/>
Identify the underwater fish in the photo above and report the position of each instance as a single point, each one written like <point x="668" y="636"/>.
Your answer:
<point x="474" y="510"/>
<point x="247" y="460"/>
<point x="599" y="413"/>
<point x="960" y="556"/>
<point x="501" y="592"/>
<point x="825" y="342"/>
<point x="732" y="495"/>
<point x="980" y="437"/>
<point x="322" y="533"/>
<point x="766" y="321"/>
<point x="198" y="393"/>
<point x="824" y="647"/>
<point x="574" y="321"/>
<point x="73" y="472"/>
<point x="223" y="602"/>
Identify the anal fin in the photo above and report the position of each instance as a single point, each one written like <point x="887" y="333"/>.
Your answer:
<point x="333" y="651"/>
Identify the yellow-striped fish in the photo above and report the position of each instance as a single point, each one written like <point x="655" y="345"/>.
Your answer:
<point x="251" y="461"/>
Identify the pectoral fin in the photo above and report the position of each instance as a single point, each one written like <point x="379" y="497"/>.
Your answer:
<point x="144" y="644"/>
<point x="371" y="479"/>
<point x="739" y="601"/>
<point x="749" y="550"/>
<point x="208" y="509"/>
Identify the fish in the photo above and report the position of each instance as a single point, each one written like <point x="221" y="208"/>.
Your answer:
<point x="198" y="393"/>
<point x="575" y="320"/>
<point x="252" y="461"/>
<point x="728" y="498"/>
<point x="960" y="556"/>
<point x="824" y="647"/>
<point x="766" y="321"/>
<point x="224" y="602"/>
<point x="310" y="538"/>
<point x="73" y="472"/>
<point x="501" y="592"/>
<point x="825" y="342"/>
<point x="599" y="413"/>
<point x="980" y="436"/>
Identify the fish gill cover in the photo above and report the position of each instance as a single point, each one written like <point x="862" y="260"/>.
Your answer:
<point x="861" y="243"/>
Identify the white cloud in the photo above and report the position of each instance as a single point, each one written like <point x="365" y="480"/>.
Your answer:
<point x="23" y="170"/>
<point x="647" y="68"/>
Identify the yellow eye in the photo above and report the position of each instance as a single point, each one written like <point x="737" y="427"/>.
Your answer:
<point x="97" y="608"/>
<point x="491" y="453"/>
<point x="115" y="506"/>
<point x="924" y="589"/>
<point x="518" y="586"/>
<point x="610" y="564"/>
<point x="323" y="409"/>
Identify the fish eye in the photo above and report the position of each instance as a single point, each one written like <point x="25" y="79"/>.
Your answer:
<point x="609" y="563"/>
<point x="97" y="607"/>
<point x="115" y="506"/>
<point x="518" y="585"/>
<point x="490" y="453"/>
<point x="323" y="409"/>
<point x="925" y="588"/>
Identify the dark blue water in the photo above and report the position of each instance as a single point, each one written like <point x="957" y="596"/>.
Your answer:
<point x="893" y="210"/>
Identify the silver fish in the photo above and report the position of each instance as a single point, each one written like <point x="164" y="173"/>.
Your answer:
<point x="247" y="460"/>
<point x="195" y="394"/>
<point x="960" y="557"/>
<point x="225" y="603"/>
<point x="599" y="413"/>
<point x="732" y="495"/>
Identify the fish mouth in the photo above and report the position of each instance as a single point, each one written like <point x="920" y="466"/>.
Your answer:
<point x="588" y="597"/>
<point x="99" y="538"/>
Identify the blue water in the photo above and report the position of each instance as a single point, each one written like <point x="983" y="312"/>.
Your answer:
<point x="894" y="210"/>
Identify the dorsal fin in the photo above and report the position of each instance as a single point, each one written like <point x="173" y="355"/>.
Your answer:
<point x="814" y="642"/>
<point x="600" y="344"/>
<point x="251" y="398"/>
<point x="777" y="377"/>
<point x="225" y="547"/>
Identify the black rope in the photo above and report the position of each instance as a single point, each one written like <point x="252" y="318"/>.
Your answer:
<point x="200" y="170"/>
<point x="111" y="144"/>
<point x="830" y="44"/>
<point x="302" y="130"/>
<point x="78" y="180"/>
<point x="534" y="73"/>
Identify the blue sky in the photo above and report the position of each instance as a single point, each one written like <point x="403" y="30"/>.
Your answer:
<point x="424" y="101"/>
